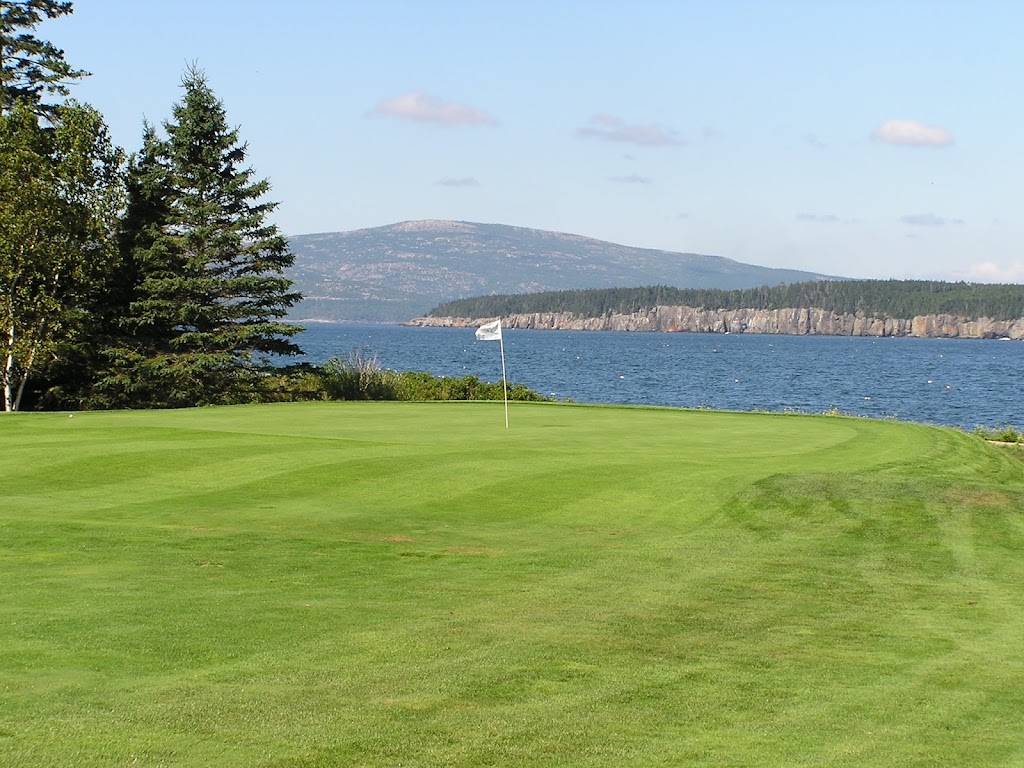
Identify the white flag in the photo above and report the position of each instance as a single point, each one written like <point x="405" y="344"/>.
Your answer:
<point x="489" y="331"/>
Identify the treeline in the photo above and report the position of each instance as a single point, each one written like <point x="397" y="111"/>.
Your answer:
<point x="873" y="298"/>
<point x="129" y="281"/>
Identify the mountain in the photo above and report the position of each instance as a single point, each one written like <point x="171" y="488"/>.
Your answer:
<point x="401" y="271"/>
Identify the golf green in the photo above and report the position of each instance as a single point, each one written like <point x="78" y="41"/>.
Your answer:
<point x="383" y="584"/>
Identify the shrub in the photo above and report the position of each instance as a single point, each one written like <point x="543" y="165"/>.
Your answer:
<point x="418" y="385"/>
<point x="362" y="378"/>
<point x="358" y="378"/>
<point x="1005" y="434"/>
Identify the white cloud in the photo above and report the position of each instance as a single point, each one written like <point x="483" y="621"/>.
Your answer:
<point x="990" y="272"/>
<point x="467" y="181"/>
<point x="633" y="178"/>
<point x="911" y="133"/>
<point x="427" y="109"/>
<point x="610" y="128"/>
<point x="928" y="220"/>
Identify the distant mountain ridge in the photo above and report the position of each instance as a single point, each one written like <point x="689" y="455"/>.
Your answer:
<point x="400" y="271"/>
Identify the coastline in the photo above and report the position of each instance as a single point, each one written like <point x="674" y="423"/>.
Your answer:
<point x="790" y="321"/>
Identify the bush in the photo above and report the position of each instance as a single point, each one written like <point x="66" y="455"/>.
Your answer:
<point x="358" y="378"/>
<point x="362" y="378"/>
<point x="295" y="383"/>
<point x="423" y="386"/>
<point x="1005" y="434"/>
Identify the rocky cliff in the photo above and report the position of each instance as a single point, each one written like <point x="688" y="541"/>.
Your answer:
<point x="799" y="322"/>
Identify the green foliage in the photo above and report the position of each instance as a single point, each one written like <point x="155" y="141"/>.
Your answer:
<point x="30" y="68"/>
<point x="202" y="289"/>
<point x="357" y="378"/>
<point x="1006" y="434"/>
<point x="421" y="387"/>
<point x="294" y="384"/>
<point x="184" y="305"/>
<point x="875" y="298"/>
<point x="362" y="378"/>
<point x="60" y="195"/>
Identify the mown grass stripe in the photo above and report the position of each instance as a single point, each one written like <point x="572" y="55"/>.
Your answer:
<point x="384" y="583"/>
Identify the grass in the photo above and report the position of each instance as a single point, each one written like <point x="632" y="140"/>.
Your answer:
<point x="383" y="584"/>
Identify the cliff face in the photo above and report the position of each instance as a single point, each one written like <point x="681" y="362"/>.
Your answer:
<point x="798" y="322"/>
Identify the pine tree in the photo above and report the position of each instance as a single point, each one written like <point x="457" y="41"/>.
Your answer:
<point x="30" y="68"/>
<point x="210" y="292"/>
<point x="125" y="340"/>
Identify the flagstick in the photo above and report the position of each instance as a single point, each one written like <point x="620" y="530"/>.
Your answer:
<point x="504" y="383"/>
<point x="490" y="332"/>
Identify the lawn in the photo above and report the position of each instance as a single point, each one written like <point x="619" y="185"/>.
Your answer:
<point x="384" y="584"/>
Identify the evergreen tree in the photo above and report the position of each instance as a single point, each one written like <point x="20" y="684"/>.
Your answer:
<point x="125" y="340"/>
<point x="31" y="68"/>
<point x="209" y="290"/>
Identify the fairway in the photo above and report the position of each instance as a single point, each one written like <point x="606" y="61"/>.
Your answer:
<point x="384" y="584"/>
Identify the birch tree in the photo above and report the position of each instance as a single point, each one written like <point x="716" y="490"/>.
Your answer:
<point x="60" y="195"/>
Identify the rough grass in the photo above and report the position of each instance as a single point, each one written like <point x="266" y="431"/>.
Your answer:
<point x="411" y="584"/>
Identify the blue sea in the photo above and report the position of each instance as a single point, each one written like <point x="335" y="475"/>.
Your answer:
<point x="954" y="382"/>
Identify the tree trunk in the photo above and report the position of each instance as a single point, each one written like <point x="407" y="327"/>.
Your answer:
<point x="9" y="371"/>
<point x="24" y="377"/>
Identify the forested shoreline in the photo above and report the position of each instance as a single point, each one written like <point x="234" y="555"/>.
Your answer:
<point x="883" y="299"/>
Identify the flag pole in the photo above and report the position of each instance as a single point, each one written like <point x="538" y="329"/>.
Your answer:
<point x="504" y="383"/>
<point x="490" y="332"/>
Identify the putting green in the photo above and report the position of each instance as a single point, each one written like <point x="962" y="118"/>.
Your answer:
<point x="404" y="583"/>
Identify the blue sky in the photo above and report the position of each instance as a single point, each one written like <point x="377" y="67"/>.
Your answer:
<point x="865" y="139"/>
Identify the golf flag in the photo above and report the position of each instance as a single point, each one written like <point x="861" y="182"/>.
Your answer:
<point x="489" y="331"/>
<point x="492" y="332"/>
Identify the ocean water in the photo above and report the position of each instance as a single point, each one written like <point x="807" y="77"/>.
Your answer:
<point x="955" y="382"/>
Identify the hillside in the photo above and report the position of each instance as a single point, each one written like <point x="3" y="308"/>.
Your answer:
<point x="397" y="272"/>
